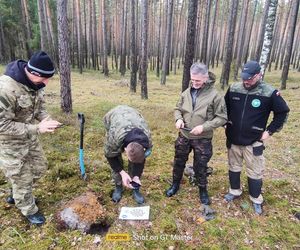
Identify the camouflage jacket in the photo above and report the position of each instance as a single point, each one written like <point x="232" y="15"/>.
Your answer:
<point x="20" y="106"/>
<point x="118" y="122"/>
<point x="209" y="110"/>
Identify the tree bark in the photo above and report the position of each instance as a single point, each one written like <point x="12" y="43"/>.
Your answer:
<point x="104" y="31"/>
<point x="262" y="31"/>
<point x="27" y="27"/>
<point x="144" y="52"/>
<point x="64" y="56"/>
<point x="290" y="40"/>
<point x="133" y="74"/>
<point x="268" y="36"/>
<point x="241" y="38"/>
<point x="229" y="44"/>
<point x="166" y="57"/>
<point x="42" y="25"/>
<point x="190" y="42"/>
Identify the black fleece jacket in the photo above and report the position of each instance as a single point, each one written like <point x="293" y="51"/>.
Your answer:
<point x="248" y="112"/>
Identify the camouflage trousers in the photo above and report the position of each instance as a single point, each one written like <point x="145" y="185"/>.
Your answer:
<point x="23" y="162"/>
<point x="202" y="149"/>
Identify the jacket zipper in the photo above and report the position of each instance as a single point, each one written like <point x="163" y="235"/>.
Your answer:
<point x="243" y="115"/>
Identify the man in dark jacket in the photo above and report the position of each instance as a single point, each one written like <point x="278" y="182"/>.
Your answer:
<point x="198" y="112"/>
<point x="127" y="130"/>
<point x="249" y="105"/>
<point x="21" y="103"/>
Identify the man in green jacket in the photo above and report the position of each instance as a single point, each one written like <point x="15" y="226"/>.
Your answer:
<point x="21" y="103"/>
<point x="199" y="110"/>
<point x="126" y="130"/>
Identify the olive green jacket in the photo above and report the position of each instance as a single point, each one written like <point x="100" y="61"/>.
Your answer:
<point x="209" y="110"/>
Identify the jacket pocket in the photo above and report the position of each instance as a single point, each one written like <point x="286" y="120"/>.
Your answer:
<point x="258" y="148"/>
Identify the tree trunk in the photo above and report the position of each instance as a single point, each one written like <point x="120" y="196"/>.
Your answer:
<point x="79" y="44"/>
<point x="190" y="42"/>
<point x="241" y="38"/>
<point x="262" y="31"/>
<point x="248" y="36"/>
<point x="64" y="56"/>
<point x="104" y="31"/>
<point x="27" y="27"/>
<point x="42" y="24"/>
<point x="144" y="54"/>
<point x="133" y="74"/>
<point x="123" y="41"/>
<point x="166" y="57"/>
<point x="268" y="36"/>
<point x="229" y="44"/>
<point x="205" y="33"/>
<point x="282" y="36"/>
<point x="290" y="40"/>
<point x="158" y="41"/>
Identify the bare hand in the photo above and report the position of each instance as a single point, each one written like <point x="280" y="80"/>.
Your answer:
<point x="47" y="125"/>
<point x="126" y="179"/>
<point x="136" y="179"/>
<point x="179" y="124"/>
<point x="197" y="130"/>
<point x="265" y="136"/>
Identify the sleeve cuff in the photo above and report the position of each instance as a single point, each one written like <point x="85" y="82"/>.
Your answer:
<point x="33" y="129"/>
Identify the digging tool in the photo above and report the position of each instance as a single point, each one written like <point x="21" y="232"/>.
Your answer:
<point x="81" y="161"/>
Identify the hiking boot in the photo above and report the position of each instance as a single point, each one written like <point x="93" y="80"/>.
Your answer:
<point x="204" y="198"/>
<point x="257" y="208"/>
<point x="117" y="194"/>
<point x="36" y="219"/>
<point x="172" y="190"/>
<point x="137" y="196"/>
<point x="10" y="200"/>
<point x="230" y="197"/>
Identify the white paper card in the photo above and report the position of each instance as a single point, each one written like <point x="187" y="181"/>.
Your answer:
<point x="135" y="213"/>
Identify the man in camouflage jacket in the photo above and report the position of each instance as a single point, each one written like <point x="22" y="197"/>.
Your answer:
<point x="198" y="112"/>
<point x="126" y="130"/>
<point x="21" y="103"/>
<point x="249" y="104"/>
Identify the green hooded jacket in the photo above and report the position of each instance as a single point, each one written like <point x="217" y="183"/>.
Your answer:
<point x="209" y="110"/>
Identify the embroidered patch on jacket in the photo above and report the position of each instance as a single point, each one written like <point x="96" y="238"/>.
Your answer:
<point x="255" y="103"/>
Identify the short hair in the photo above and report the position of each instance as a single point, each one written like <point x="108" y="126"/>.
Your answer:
<point x="199" y="68"/>
<point x="135" y="152"/>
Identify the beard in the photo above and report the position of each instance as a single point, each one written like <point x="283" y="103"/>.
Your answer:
<point x="249" y="87"/>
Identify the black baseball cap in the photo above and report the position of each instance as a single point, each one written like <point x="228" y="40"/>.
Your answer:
<point x="250" y="69"/>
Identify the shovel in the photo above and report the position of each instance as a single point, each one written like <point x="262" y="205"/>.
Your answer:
<point x="81" y="162"/>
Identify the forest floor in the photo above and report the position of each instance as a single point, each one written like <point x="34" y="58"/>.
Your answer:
<point x="173" y="221"/>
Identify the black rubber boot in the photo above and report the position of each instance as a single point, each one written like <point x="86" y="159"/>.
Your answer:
<point x="204" y="198"/>
<point x="173" y="189"/>
<point x="36" y="219"/>
<point x="137" y="196"/>
<point x="117" y="194"/>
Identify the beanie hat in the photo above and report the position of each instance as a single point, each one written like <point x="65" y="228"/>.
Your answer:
<point x="40" y="64"/>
